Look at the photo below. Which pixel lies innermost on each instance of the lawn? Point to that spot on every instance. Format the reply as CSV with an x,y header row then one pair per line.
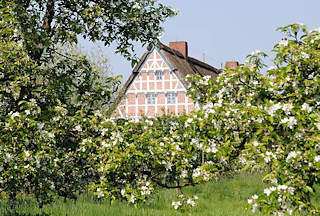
x,y
225,197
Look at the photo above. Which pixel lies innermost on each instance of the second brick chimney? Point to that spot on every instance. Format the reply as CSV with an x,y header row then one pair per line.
x,y
232,64
180,46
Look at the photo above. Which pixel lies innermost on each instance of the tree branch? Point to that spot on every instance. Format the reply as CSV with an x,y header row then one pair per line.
x,y
48,18
174,186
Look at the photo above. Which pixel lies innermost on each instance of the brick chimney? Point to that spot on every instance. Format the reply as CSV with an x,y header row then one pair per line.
x,y
232,64
180,46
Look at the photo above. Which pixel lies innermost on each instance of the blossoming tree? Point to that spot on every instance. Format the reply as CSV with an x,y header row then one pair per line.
x,y
46,96
269,120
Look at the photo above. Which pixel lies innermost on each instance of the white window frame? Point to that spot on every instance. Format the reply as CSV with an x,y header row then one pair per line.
x,y
171,98
159,74
151,98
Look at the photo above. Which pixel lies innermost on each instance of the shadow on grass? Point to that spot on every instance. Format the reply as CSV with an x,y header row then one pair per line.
x,y
14,213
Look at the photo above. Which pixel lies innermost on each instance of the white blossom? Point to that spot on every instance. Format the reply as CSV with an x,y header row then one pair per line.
x,y
16,114
269,190
317,158
176,205
9,157
254,207
123,191
191,202
306,107
100,193
51,135
136,6
283,43
78,128
271,110
287,108
282,187
132,199
189,120
105,144
256,53
291,121
255,143
292,154
27,154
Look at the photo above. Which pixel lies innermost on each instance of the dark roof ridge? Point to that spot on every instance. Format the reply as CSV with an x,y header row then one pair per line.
x,y
137,67
203,64
192,59
172,51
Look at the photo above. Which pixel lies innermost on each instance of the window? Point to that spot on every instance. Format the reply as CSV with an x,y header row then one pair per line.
x,y
151,98
159,75
171,98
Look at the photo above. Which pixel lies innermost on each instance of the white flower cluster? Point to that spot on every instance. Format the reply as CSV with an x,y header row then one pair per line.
x,y
283,43
100,193
177,204
287,108
292,155
136,6
212,147
13,115
146,189
199,172
132,198
268,156
204,80
269,190
256,53
290,122
253,202
306,107
274,108
185,201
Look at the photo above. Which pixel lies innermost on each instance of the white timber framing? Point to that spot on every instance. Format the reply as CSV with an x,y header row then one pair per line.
x,y
151,65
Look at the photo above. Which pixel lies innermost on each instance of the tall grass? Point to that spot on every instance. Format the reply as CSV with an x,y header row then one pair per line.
x,y
228,196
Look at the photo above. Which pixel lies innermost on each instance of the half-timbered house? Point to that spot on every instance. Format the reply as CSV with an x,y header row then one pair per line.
x,y
157,84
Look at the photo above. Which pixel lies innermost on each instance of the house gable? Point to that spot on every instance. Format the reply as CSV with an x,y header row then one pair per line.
x,y
157,84
154,89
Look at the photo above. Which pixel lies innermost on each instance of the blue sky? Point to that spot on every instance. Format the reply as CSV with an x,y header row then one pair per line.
x,y
227,29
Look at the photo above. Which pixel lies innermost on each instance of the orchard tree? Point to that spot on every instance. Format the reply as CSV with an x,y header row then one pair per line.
x,y
269,121
47,96
43,24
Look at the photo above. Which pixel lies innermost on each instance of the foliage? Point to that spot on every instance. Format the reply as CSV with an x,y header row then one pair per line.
x,y
135,159
48,98
45,23
270,120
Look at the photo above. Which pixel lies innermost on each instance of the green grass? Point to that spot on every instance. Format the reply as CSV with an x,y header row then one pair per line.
x,y
225,197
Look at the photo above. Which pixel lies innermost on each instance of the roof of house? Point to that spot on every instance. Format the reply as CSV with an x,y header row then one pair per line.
x,y
180,64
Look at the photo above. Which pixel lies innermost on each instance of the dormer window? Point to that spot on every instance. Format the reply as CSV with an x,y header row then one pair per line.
x,y
159,75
